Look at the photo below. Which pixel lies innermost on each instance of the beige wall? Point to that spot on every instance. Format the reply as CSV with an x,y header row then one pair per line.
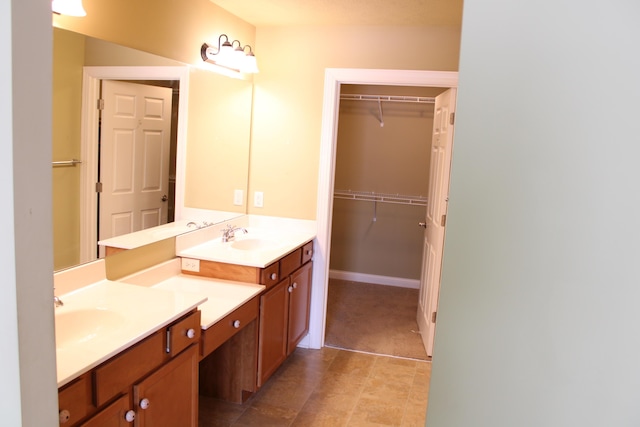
x,y
288,97
68,58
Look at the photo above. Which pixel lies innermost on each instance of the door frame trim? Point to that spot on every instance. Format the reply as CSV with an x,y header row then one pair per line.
x,y
334,78
91,78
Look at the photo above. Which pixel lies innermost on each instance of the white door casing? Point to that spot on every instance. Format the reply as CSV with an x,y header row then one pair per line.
x,y
334,77
134,157
438,196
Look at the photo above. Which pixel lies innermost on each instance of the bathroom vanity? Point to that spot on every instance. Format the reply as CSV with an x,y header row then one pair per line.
x,y
218,320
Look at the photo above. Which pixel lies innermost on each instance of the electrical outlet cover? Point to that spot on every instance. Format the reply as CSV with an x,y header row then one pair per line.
x,y
189,264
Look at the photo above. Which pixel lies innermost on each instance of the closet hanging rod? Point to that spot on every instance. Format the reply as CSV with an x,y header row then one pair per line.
x,y
371,196
389,98
71,162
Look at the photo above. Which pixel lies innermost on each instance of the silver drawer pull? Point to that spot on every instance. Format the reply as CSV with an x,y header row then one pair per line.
x,y
130,416
236,324
274,276
191,333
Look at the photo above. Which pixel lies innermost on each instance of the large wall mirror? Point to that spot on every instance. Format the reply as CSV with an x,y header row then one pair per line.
x,y
208,160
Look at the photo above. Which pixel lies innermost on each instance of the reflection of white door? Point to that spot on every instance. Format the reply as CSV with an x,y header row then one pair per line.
x,y
134,157
441,146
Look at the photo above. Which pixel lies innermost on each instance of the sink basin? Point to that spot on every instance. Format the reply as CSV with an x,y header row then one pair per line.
x,y
83,325
254,244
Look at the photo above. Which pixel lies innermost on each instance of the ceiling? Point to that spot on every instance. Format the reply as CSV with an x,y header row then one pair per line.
x,y
345,12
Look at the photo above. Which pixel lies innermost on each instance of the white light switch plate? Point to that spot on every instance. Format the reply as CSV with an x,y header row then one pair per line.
x,y
237,197
189,264
258,199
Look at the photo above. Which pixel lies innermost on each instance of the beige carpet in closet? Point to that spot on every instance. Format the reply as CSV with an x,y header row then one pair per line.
x,y
373,318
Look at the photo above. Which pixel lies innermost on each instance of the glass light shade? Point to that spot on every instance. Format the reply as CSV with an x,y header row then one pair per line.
x,y
68,7
225,55
250,64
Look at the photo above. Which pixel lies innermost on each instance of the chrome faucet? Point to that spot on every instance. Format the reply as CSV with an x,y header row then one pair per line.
x,y
57,302
230,232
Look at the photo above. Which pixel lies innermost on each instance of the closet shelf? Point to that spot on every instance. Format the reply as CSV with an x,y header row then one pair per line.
x,y
388,98
370,196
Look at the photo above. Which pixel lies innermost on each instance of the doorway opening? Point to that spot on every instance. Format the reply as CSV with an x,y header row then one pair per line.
x,y
381,187
334,79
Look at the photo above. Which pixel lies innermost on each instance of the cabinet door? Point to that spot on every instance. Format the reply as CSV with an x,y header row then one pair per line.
x,y
169,396
272,345
299,305
113,415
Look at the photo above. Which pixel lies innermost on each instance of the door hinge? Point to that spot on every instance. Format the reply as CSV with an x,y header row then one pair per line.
x,y
98,187
433,316
100,105
452,118
443,220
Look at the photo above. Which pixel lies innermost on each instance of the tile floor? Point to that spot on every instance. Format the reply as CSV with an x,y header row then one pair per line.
x,y
331,387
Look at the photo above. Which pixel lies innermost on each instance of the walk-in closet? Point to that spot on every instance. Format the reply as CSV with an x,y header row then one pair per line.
x,y
381,183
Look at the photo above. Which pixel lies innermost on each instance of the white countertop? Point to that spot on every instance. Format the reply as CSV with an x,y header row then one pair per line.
x,y
100,320
149,235
275,237
224,296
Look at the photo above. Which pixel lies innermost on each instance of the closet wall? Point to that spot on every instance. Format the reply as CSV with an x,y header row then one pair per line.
x,y
381,238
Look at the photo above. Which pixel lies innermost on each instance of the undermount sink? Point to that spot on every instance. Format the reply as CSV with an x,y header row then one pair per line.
x,y
83,325
254,244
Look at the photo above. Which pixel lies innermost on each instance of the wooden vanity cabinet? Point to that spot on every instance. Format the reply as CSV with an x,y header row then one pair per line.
x,y
228,355
284,304
161,370
284,320
169,396
299,306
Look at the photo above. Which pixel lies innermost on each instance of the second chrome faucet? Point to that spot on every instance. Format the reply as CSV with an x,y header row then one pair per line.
x,y
230,232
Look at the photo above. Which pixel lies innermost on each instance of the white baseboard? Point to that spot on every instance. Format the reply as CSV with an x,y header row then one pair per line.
x,y
375,279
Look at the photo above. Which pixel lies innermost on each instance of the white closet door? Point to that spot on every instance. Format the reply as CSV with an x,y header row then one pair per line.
x,y
441,146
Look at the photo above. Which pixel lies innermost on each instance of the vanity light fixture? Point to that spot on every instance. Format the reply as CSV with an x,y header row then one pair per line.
x,y
231,55
68,7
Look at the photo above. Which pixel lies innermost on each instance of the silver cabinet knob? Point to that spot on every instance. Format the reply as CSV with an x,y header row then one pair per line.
x,y
65,415
295,285
130,416
274,276
191,333
290,289
236,324
144,403
422,224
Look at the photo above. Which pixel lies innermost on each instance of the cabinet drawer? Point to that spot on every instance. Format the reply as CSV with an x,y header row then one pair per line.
x,y
184,333
307,252
123,370
289,263
74,401
113,415
270,275
224,329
